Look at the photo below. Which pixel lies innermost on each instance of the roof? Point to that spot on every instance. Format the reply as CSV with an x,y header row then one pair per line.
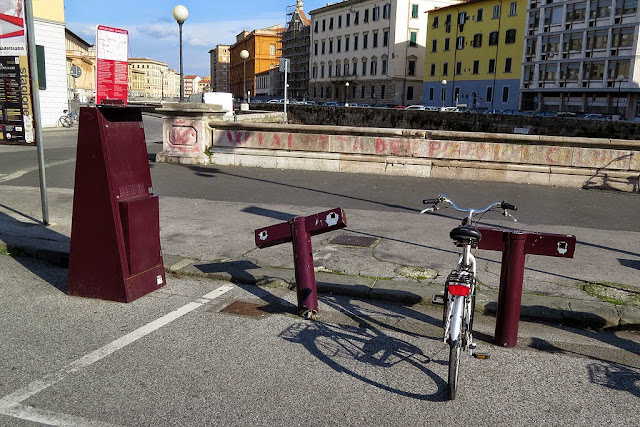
x,y
80,39
190,76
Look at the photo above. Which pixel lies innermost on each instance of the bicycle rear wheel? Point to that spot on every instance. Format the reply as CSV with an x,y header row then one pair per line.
x,y
64,122
454,367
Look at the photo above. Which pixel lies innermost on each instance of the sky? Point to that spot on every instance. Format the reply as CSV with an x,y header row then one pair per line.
x,y
153,32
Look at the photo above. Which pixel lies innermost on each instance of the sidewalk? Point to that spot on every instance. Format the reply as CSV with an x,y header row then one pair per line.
x,y
407,261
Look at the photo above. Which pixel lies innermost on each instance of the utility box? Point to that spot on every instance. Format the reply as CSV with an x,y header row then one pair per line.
x,y
115,233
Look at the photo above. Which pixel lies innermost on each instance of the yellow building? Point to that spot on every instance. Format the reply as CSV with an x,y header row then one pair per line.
x,y
474,54
81,55
157,77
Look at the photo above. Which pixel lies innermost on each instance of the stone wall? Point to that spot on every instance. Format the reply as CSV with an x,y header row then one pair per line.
x,y
435,120
534,159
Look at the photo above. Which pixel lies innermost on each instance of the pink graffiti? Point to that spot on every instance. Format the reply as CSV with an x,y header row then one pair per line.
x,y
238,137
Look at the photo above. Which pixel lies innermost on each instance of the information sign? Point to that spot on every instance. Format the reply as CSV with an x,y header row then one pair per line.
x,y
112,54
12,35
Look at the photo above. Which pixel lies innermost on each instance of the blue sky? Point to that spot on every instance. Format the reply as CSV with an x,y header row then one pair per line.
x,y
154,33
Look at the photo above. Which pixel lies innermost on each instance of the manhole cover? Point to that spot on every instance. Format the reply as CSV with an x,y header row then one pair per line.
x,y
244,309
351,240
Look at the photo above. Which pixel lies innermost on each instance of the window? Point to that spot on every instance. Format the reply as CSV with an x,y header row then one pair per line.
x,y
366,15
444,94
376,13
330,69
382,91
571,70
412,67
489,95
513,9
386,11
435,22
355,42
572,42
322,92
338,67
413,39
619,68
510,36
348,19
324,25
456,95
597,39
493,38
410,93
505,94
548,72
365,40
446,44
356,18
339,21
322,71
600,8
315,71
331,23
430,94
374,67
346,68
346,43
496,11
553,15
272,50
445,69
414,11
339,45
364,66
622,37
626,7
323,45
593,70
362,93
355,68
477,40
434,45
375,39
492,66
476,66
460,43
507,65
433,69
479,15
458,68
385,38
315,49
315,27
576,12
330,45
384,66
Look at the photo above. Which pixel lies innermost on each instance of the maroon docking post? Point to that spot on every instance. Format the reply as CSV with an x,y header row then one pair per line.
x,y
515,245
299,231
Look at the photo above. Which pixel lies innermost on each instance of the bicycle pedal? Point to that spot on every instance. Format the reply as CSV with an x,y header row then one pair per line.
x,y
481,355
472,345
437,299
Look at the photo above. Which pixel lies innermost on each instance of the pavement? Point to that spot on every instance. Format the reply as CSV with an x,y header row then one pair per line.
x,y
407,258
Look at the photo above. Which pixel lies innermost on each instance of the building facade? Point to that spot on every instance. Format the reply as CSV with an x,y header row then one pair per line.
x,y
264,47
582,56
295,47
191,82
474,54
80,54
157,77
376,47
204,85
220,78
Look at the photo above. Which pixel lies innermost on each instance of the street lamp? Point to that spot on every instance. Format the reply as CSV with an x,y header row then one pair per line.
x,y
244,54
346,93
619,79
164,74
444,84
180,14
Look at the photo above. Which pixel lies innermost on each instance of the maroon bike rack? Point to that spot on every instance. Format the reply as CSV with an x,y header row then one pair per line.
x,y
299,231
515,245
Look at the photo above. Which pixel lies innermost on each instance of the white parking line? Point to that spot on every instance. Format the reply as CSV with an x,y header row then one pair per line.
x,y
18,174
11,404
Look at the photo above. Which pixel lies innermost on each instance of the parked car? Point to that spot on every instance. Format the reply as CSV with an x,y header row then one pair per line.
x,y
416,107
493,112
429,108
384,106
450,109
527,113
510,112
545,114
400,107
565,114
331,104
474,110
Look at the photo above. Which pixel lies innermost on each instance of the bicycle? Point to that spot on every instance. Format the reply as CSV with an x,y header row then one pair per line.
x,y
460,286
68,118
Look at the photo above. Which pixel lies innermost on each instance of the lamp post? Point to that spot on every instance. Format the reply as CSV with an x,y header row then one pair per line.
x,y
164,74
444,84
619,80
180,14
346,93
244,54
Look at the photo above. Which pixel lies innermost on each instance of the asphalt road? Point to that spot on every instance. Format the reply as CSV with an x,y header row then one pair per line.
x,y
537,205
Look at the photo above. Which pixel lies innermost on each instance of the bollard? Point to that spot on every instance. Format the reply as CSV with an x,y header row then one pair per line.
x,y
303,265
510,294
515,245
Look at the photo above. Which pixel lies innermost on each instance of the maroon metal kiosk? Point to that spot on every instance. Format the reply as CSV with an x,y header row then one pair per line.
x,y
299,231
515,245
115,234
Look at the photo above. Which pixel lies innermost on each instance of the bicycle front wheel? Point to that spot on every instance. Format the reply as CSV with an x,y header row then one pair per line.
x,y
64,122
454,367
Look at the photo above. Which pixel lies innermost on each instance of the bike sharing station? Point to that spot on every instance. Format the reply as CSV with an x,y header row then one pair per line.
x,y
115,249
298,231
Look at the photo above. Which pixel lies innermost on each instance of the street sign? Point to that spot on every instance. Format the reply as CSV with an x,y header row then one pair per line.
x,y
75,71
284,65
112,68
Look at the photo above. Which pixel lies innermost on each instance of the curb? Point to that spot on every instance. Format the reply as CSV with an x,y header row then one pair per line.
x,y
595,315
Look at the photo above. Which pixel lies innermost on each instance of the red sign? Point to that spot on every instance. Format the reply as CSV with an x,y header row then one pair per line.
x,y
112,54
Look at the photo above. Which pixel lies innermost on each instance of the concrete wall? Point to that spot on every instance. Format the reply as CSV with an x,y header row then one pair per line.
x,y
570,162
387,117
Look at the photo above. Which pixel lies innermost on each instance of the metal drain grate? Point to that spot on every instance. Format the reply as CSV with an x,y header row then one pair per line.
x,y
351,240
244,309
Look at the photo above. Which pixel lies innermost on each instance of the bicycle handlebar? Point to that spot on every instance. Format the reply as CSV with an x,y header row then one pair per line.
x,y
442,198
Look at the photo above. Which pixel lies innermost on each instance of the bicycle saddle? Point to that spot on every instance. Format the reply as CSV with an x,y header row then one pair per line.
x,y
465,233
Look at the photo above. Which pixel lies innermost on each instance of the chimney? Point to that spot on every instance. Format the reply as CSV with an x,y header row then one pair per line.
x,y
299,4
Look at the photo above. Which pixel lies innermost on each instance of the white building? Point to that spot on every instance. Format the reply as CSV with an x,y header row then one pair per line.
x,y
369,51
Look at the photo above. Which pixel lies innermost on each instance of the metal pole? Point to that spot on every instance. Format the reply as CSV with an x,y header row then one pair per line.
x,y
35,98
303,265
286,70
181,74
510,294
244,81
